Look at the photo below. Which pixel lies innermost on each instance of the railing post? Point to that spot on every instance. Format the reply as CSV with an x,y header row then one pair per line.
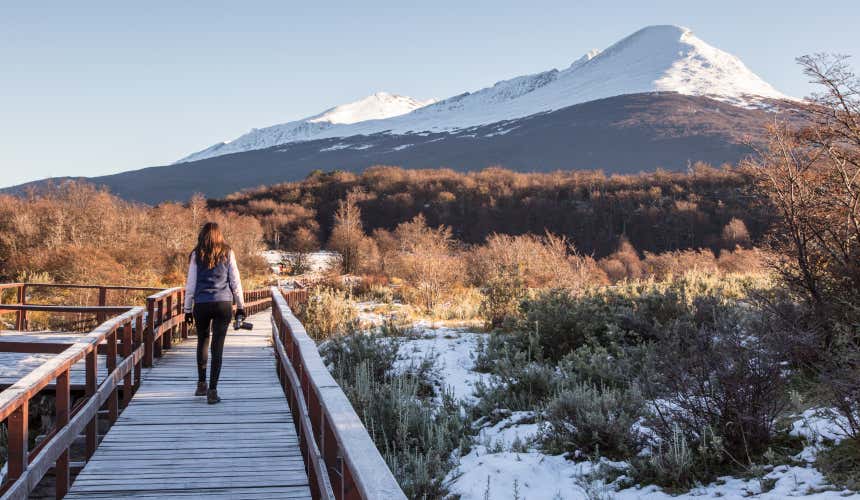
x,y
21,320
168,337
126,353
113,399
101,316
183,329
18,447
62,404
165,335
149,333
138,340
90,391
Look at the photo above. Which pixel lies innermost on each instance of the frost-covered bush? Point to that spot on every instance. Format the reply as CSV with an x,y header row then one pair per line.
x,y
722,369
677,465
589,419
520,381
418,431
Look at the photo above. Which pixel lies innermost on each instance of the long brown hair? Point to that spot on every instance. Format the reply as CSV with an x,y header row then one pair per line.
x,y
211,247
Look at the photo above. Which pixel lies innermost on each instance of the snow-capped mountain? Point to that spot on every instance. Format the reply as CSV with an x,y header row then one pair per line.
x,y
654,59
378,106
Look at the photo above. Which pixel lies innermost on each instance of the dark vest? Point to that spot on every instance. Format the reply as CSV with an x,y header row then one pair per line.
x,y
213,284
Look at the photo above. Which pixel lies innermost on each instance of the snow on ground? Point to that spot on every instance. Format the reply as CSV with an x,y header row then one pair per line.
x,y
317,262
505,463
454,352
506,457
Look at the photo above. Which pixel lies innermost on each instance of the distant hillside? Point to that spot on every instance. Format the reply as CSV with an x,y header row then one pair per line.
x,y
623,134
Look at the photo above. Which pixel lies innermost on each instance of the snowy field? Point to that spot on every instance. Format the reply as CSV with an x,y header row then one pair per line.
x,y
505,464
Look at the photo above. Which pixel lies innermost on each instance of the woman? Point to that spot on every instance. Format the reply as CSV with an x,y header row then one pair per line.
x,y
213,285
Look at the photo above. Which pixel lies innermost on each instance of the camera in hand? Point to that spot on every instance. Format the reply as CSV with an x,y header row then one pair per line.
x,y
240,323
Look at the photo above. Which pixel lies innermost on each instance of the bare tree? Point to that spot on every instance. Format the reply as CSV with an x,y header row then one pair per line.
x,y
811,176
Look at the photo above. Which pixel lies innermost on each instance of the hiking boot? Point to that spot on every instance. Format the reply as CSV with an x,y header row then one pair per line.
x,y
201,389
212,397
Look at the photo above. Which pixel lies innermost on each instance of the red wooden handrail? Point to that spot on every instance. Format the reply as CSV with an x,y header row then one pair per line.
x,y
338,452
135,337
26,468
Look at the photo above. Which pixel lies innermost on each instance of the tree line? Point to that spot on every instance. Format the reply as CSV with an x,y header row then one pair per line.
x,y
655,212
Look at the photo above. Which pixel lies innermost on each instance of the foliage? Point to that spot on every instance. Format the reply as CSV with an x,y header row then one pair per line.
x,y
677,465
659,211
501,297
329,312
75,232
588,418
841,464
348,238
417,431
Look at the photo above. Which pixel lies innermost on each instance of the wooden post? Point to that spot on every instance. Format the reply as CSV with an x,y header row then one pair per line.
x,y
138,340
18,447
167,337
149,333
126,352
63,407
21,322
159,322
113,399
90,391
101,316
184,328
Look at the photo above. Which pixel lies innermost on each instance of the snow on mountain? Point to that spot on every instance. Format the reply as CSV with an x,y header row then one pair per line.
x,y
378,106
654,59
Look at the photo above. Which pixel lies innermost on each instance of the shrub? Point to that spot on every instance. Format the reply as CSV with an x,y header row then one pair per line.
x,y
461,303
418,432
841,464
520,382
328,312
677,465
502,296
720,369
594,419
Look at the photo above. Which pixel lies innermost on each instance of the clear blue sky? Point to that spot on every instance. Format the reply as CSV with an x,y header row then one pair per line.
x,y
96,87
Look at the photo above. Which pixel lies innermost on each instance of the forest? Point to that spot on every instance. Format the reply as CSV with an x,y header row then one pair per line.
x,y
655,212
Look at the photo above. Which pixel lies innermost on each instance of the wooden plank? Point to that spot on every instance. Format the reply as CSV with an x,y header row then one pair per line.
x,y
167,443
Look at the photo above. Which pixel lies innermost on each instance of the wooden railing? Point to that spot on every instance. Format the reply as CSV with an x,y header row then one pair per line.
x,y
22,289
341,459
130,342
118,338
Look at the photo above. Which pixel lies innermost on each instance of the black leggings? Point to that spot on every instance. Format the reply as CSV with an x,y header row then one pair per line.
x,y
215,316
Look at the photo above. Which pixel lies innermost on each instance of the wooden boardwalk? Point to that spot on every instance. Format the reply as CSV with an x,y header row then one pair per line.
x,y
170,444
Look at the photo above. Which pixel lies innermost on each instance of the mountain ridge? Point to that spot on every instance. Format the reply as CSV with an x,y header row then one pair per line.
x,y
661,58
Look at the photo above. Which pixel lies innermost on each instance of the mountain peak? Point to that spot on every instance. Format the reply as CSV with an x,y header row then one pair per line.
x,y
660,58
377,106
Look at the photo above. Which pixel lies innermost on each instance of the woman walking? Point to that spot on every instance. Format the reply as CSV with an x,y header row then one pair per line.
x,y
213,285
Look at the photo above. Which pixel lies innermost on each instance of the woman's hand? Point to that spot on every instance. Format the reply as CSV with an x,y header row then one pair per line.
x,y
240,313
189,319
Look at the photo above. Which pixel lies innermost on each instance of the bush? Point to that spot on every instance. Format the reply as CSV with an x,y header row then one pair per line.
x,y
594,419
841,464
418,432
520,382
720,369
502,296
676,465
328,312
